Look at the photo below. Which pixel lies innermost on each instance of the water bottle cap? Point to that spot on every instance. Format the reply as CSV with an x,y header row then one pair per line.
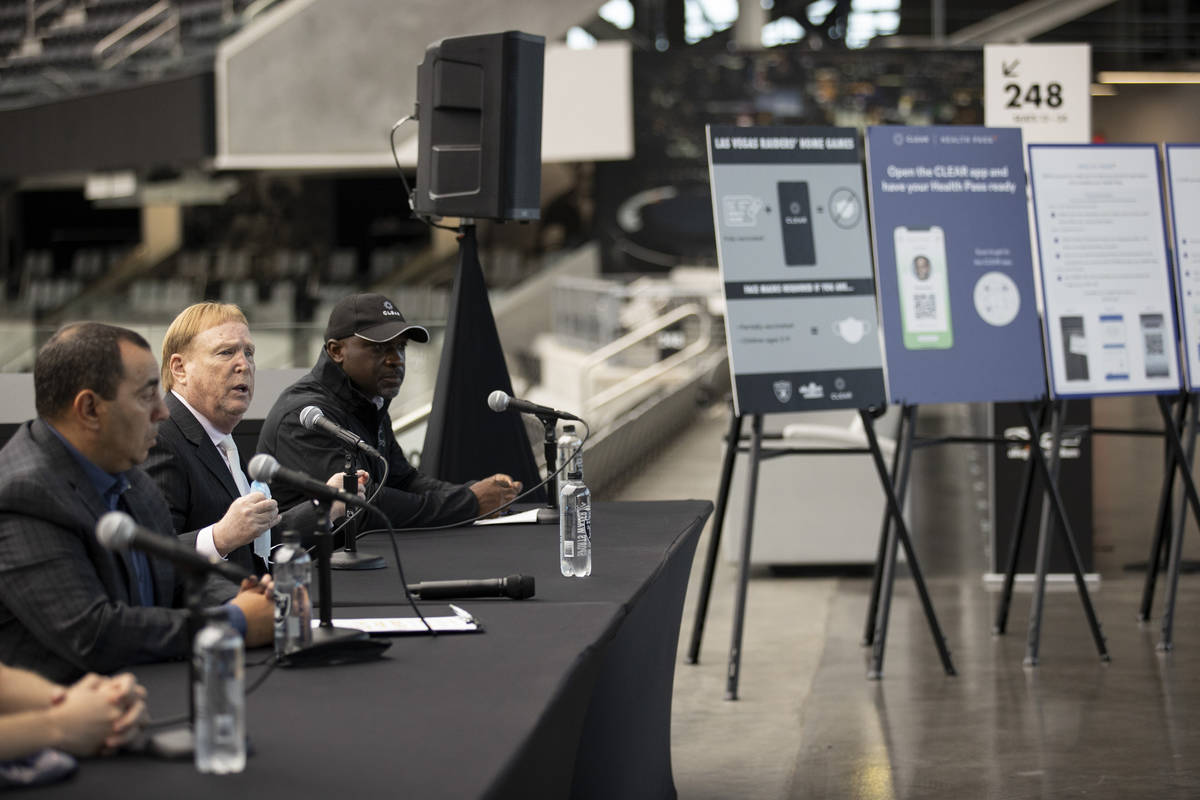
x,y
574,475
291,536
568,428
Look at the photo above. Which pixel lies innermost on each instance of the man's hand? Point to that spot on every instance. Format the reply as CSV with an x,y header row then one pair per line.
x,y
257,601
85,717
338,509
246,518
129,696
495,491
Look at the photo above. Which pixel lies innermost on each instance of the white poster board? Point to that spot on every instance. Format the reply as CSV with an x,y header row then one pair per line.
x,y
1183,183
1109,308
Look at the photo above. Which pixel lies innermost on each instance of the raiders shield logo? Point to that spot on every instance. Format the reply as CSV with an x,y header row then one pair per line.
x,y
783,390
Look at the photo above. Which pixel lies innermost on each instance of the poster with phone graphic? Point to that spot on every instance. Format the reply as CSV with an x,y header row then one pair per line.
x,y
954,265
1102,242
1183,184
791,224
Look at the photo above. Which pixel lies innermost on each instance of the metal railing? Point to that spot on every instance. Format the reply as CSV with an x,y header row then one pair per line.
x,y
630,386
34,12
168,25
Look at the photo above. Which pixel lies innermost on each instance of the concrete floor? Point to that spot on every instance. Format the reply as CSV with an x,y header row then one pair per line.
x,y
809,724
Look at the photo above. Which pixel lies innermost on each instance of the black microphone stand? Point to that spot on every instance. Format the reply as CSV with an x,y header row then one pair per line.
x,y
550,443
331,645
349,557
179,741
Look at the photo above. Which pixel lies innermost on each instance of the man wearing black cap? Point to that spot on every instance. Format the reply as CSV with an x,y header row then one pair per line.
x,y
357,374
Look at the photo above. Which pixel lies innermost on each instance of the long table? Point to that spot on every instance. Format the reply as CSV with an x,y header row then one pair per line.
x,y
567,694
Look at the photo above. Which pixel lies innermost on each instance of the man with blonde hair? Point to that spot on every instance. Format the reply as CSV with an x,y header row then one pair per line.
x,y
208,375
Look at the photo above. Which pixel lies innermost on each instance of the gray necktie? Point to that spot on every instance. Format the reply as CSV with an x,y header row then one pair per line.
x,y
262,545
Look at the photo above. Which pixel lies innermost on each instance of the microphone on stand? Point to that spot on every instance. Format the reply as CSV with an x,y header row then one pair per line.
x,y
268,470
500,400
116,530
516,587
313,418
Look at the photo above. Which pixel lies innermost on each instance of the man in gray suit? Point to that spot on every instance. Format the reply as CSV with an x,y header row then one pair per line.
x,y
67,605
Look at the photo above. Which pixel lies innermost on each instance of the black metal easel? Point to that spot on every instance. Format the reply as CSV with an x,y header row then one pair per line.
x,y
1054,518
1163,532
894,513
1182,463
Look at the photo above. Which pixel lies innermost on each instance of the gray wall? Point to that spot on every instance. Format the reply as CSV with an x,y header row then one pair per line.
x,y
1149,113
329,77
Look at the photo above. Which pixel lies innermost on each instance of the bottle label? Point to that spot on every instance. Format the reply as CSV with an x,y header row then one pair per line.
x,y
583,530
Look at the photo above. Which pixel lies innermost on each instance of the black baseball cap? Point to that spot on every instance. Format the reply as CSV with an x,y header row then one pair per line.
x,y
372,317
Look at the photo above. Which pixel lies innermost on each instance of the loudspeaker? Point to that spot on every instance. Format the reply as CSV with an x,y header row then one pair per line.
x,y
479,105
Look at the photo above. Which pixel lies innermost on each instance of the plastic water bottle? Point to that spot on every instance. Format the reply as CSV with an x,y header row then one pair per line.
x,y
220,697
293,603
570,456
575,527
259,486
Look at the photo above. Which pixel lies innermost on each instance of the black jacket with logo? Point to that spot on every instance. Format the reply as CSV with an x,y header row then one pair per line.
x,y
410,499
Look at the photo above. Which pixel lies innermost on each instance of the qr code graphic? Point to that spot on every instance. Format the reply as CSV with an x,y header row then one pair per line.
x,y
1154,345
925,306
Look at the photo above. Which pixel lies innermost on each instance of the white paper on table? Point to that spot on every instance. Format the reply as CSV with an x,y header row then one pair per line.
x,y
523,517
399,625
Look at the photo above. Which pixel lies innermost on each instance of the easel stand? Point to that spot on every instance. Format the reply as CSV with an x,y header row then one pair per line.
x,y
1182,463
756,455
1162,531
1054,518
895,532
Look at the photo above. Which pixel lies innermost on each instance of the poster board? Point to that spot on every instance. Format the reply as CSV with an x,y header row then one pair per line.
x,y
954,264
1102,242
1183,185
791,226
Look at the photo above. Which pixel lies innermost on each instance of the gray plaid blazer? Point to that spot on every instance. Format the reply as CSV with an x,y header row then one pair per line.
x,y
65,600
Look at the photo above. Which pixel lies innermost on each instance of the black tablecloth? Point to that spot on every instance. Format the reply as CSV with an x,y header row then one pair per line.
x,y
565,694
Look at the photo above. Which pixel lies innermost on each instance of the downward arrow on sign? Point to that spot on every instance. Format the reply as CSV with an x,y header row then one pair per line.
x,y
1010,70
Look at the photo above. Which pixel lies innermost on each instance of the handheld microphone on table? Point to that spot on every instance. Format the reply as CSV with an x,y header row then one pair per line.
x,y
313,419
266,469
116,530
516,587
500,400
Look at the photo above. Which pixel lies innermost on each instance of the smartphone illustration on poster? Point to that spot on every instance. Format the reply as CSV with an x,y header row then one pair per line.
x,y
924,288
1075,348
1155,346
795,215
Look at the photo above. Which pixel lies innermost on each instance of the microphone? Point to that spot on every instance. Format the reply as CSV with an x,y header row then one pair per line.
x,y
501,401
116,530
266,469
517,587
313,418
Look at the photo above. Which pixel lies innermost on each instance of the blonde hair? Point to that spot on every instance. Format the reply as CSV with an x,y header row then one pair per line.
x,y
191,322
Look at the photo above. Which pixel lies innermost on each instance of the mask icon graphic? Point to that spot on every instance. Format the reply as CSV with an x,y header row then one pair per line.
x,y
851,329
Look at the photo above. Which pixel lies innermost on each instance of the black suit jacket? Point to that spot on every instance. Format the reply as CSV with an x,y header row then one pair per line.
x,y
64,600
192,475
